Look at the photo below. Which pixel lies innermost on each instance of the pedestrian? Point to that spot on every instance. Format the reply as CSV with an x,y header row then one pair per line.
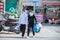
x,y
23,20
31,18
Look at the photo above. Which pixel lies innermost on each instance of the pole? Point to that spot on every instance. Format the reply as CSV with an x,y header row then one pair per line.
x,y
19,6
34,8
4,6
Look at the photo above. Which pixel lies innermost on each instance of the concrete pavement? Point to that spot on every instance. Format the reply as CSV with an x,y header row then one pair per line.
x,y
46,33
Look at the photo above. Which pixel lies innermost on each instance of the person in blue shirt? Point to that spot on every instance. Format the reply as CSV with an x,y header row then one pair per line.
x,y
23,21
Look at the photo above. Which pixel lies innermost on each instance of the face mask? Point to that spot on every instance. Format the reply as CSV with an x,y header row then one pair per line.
x,y
31,14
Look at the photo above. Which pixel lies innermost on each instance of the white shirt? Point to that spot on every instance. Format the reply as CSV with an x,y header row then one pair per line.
x,y
23,18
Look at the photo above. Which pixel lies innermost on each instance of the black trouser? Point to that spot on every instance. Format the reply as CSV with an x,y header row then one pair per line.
x,y
22,29
29,29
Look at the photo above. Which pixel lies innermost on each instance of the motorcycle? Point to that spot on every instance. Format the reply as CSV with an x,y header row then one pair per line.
x,y
9,25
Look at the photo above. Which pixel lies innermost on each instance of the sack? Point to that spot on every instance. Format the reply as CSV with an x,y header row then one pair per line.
x,y
17,27
37,27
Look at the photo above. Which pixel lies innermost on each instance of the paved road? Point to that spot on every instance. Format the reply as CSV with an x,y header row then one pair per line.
x,y
48,32
41,38
55,27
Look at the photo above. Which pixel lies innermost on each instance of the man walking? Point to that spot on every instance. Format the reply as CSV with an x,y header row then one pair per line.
x,y
23,22
31,18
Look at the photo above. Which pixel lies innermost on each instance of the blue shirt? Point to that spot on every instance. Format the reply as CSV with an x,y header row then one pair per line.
x,y
23,18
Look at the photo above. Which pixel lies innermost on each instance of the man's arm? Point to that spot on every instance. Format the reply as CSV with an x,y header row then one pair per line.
x,y
35,19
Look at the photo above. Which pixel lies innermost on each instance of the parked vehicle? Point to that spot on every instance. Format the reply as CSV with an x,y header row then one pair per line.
x,y
8,25
54,21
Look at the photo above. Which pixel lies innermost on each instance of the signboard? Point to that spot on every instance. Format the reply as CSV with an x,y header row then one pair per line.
x,y
9,4
39,17
34,0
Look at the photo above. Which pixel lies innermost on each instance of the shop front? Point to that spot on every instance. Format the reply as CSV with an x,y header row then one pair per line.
x,y
52,11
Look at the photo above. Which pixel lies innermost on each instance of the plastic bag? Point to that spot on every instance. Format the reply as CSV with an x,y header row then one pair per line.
x,y
37,27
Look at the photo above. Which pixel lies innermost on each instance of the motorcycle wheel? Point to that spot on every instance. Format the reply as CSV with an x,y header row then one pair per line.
x,y
17,31
1,28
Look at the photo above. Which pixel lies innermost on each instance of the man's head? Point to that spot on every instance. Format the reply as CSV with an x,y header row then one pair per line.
x,y
31,10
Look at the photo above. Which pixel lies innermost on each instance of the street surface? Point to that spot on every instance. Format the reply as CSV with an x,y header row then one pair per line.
x,y
48,32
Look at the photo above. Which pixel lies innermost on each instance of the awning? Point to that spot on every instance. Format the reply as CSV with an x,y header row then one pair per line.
x,y
51,2
28,3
